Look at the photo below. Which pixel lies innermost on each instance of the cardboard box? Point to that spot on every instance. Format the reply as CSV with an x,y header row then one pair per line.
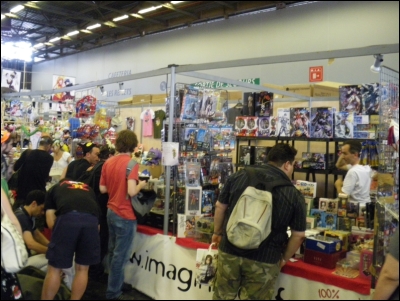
x,y
158,99
327,89
311,222
323,244
137,99
322,259
155,170
125,102
365,263
233,95
304,89
342,235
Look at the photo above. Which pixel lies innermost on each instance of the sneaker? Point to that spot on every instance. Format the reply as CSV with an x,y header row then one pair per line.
x,y
126,287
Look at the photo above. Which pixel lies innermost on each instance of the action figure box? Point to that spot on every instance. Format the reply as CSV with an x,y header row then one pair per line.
x,y
246,155
264,103
344,127
342,235
322,259
299,122
260,155
323,244
311,222
190,105
252,126
263,126
322,124
283,123
204,229
307,188
298,164
248,103
241,126
329,220
323,204
332,206
353,209
350,99
345,223
186,225
319,215
207,202
309,204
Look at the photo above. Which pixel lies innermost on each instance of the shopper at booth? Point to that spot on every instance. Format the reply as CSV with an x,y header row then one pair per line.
x,y
73,216
61,157
357,181
387,287
78,167
255,272
34,173
120,216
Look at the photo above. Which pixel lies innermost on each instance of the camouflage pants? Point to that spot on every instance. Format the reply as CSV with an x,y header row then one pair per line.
x,y
249,279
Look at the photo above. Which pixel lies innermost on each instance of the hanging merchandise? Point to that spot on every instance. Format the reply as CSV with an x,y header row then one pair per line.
x,y
147,116
86,106
130,124
159,117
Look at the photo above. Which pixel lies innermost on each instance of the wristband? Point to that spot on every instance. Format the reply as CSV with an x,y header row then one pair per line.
x,y
217,234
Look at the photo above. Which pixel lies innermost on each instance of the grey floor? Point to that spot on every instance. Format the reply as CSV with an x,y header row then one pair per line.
x,y
96,290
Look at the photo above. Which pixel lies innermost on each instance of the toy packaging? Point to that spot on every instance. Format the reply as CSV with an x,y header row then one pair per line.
x,y
207,202
370,98
323,244
193,173
248,103
193,200
263,126
241,125
299,122
252,126
264,103
344,126
245,155
307,188
350,99
186,225
190,103
322,124
260,155
283,125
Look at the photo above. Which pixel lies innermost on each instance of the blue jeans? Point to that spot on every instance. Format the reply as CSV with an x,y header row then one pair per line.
x,y
121,233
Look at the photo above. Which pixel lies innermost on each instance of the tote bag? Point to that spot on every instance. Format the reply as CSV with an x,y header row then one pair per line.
x,y
206,266
13,251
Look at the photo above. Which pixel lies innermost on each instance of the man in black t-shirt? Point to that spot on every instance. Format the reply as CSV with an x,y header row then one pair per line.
x,y
34,173
77,168
73,215
255,271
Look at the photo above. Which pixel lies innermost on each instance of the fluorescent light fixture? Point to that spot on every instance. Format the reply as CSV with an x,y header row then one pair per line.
x,y
54,40
103,92
176,2
73,33
146,10
2,16
376,67
17,8
86,31
120,18
39,45
121,88
137,16
93,26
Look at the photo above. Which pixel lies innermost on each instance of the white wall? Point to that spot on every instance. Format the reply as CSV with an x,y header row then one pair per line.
x,y
321,26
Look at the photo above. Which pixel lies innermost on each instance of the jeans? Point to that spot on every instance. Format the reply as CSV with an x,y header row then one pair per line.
x,y
121,234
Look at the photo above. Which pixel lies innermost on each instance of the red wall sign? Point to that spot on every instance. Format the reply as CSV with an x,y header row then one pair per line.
x,y
316,74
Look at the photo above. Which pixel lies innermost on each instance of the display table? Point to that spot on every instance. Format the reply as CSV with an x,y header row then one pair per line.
x,y
162,267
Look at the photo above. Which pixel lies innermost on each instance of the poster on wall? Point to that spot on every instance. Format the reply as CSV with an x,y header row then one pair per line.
x,y
59,82
11,79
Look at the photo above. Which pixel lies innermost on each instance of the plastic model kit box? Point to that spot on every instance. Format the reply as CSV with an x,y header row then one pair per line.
x,y
323,244
322,124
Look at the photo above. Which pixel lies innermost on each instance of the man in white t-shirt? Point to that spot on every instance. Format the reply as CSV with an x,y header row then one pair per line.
x,y
357,181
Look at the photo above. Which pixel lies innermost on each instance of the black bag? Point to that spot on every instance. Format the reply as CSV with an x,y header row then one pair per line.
x,y
13,181
143,201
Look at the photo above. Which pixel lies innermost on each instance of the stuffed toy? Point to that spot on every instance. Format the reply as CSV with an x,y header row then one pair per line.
x,y
153,157
138,151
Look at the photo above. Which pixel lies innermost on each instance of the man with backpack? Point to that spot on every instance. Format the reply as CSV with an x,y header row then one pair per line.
x,y
246,271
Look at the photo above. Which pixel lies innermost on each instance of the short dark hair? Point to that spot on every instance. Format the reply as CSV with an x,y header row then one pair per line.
x,y
105,152
354,146
281,153
45,141
126,141
35,195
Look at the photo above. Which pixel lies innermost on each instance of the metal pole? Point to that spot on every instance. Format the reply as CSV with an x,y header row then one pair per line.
x,y
170,139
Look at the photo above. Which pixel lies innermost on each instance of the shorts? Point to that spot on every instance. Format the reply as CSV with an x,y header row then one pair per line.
x,y
244,278
74,233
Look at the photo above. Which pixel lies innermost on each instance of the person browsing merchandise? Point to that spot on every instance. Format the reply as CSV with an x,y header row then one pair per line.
x,y
357,181
254,273
120,216
77,168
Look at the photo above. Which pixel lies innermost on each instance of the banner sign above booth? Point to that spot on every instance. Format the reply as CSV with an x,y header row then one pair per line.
x,y
220,85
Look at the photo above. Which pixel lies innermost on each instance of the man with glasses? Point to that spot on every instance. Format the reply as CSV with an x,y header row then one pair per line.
x,y
77,168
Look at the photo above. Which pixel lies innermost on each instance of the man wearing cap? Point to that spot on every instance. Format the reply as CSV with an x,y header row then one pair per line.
x,y
34,173
77,168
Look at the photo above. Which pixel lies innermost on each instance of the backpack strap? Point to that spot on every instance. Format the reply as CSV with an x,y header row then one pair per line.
x,y
130,166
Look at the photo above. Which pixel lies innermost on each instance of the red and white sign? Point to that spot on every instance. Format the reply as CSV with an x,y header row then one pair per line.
x,y
316,74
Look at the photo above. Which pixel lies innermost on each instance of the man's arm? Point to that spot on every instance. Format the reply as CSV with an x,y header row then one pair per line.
x,y
340,164
219,217
40,238
133,188
339,185
50,218
32,244
388,279
103,188
294,243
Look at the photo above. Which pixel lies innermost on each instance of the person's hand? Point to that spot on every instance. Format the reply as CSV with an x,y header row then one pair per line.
x,y
282,263
339,182
142,184
216,239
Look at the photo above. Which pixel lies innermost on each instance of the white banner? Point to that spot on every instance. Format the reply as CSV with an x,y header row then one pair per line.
x,y
164,270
